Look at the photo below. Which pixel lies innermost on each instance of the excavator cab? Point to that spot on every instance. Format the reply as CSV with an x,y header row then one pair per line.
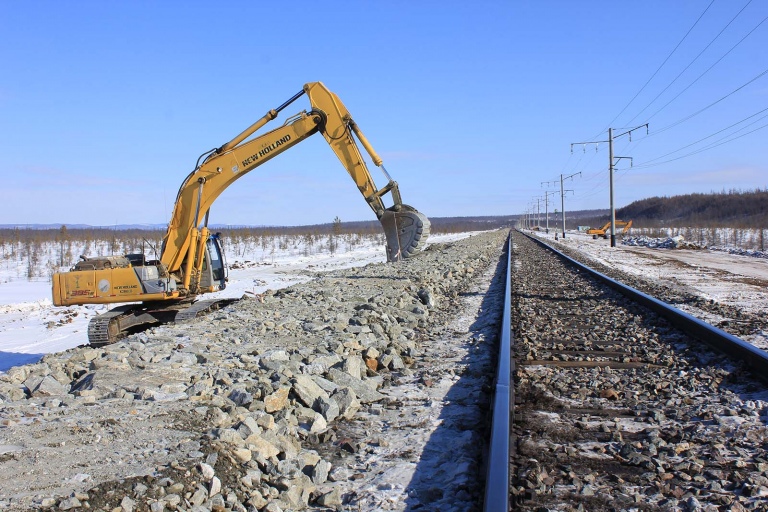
x,y
214,272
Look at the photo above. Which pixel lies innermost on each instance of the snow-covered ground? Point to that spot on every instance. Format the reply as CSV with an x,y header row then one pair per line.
x,y
30,326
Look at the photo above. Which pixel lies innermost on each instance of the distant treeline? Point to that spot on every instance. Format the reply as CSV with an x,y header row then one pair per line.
x,y
726,209
39,252
119,241
439,225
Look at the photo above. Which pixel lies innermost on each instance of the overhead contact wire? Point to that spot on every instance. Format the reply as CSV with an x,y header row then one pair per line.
x,y
707,148
644,164
656,132
691,63
708,69
659,68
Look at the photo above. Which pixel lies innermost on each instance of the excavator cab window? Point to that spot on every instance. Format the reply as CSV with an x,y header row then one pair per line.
x,y
216,260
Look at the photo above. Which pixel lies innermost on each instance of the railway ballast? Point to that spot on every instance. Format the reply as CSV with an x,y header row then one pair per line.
x,y
618,410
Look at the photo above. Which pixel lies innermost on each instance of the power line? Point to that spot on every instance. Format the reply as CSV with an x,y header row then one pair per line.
x,y
691,63
728,138
714,145
647,162
656,132
589,176
707,148
655,72
591,192
659,68
708,69
612,159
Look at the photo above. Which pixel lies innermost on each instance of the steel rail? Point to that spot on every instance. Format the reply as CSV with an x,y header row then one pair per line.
x,y
497,472
754,357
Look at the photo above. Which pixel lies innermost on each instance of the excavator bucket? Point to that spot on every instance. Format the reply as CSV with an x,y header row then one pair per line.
x,y
406,230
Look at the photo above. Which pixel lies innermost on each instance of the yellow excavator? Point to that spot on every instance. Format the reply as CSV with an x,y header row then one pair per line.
x,y
604,231
192,262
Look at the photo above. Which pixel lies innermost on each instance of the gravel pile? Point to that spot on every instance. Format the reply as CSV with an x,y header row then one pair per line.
x,y
740,252
674,242
678,242
362,388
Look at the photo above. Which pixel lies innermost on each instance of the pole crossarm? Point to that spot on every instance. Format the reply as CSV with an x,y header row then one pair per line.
x,y
611,161
570,175
629,132
595,142
610,138
562,196
546,207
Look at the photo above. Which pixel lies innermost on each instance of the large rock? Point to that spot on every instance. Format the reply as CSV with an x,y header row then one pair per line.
x,y
277,400
354,366
328,407
347,401
307,390
364,391
48,386
265,448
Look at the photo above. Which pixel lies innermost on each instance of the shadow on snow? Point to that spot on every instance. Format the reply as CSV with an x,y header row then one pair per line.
x,y
450,474
11,359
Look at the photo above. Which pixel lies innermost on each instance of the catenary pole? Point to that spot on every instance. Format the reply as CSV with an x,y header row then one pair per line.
x,y
538,214
562,195
610,181
611,160
562,203
546,208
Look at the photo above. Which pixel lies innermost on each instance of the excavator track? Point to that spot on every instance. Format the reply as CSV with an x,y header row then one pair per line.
x,y
116,323
105,328
201,307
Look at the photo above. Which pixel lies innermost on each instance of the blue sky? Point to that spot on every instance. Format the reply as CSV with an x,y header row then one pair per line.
x,y
105,106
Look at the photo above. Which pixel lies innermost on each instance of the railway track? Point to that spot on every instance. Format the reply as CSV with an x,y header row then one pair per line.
x,y
620,408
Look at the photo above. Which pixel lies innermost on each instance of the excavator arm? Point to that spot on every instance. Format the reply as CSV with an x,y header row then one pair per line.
x,y
405,228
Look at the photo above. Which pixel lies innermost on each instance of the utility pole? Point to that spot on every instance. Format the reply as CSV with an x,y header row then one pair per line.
x,y
562,196
533,215
610,181
538,214
546,207
611,160
546,201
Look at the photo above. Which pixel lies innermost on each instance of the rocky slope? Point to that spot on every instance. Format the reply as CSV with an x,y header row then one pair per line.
x,y
363,388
